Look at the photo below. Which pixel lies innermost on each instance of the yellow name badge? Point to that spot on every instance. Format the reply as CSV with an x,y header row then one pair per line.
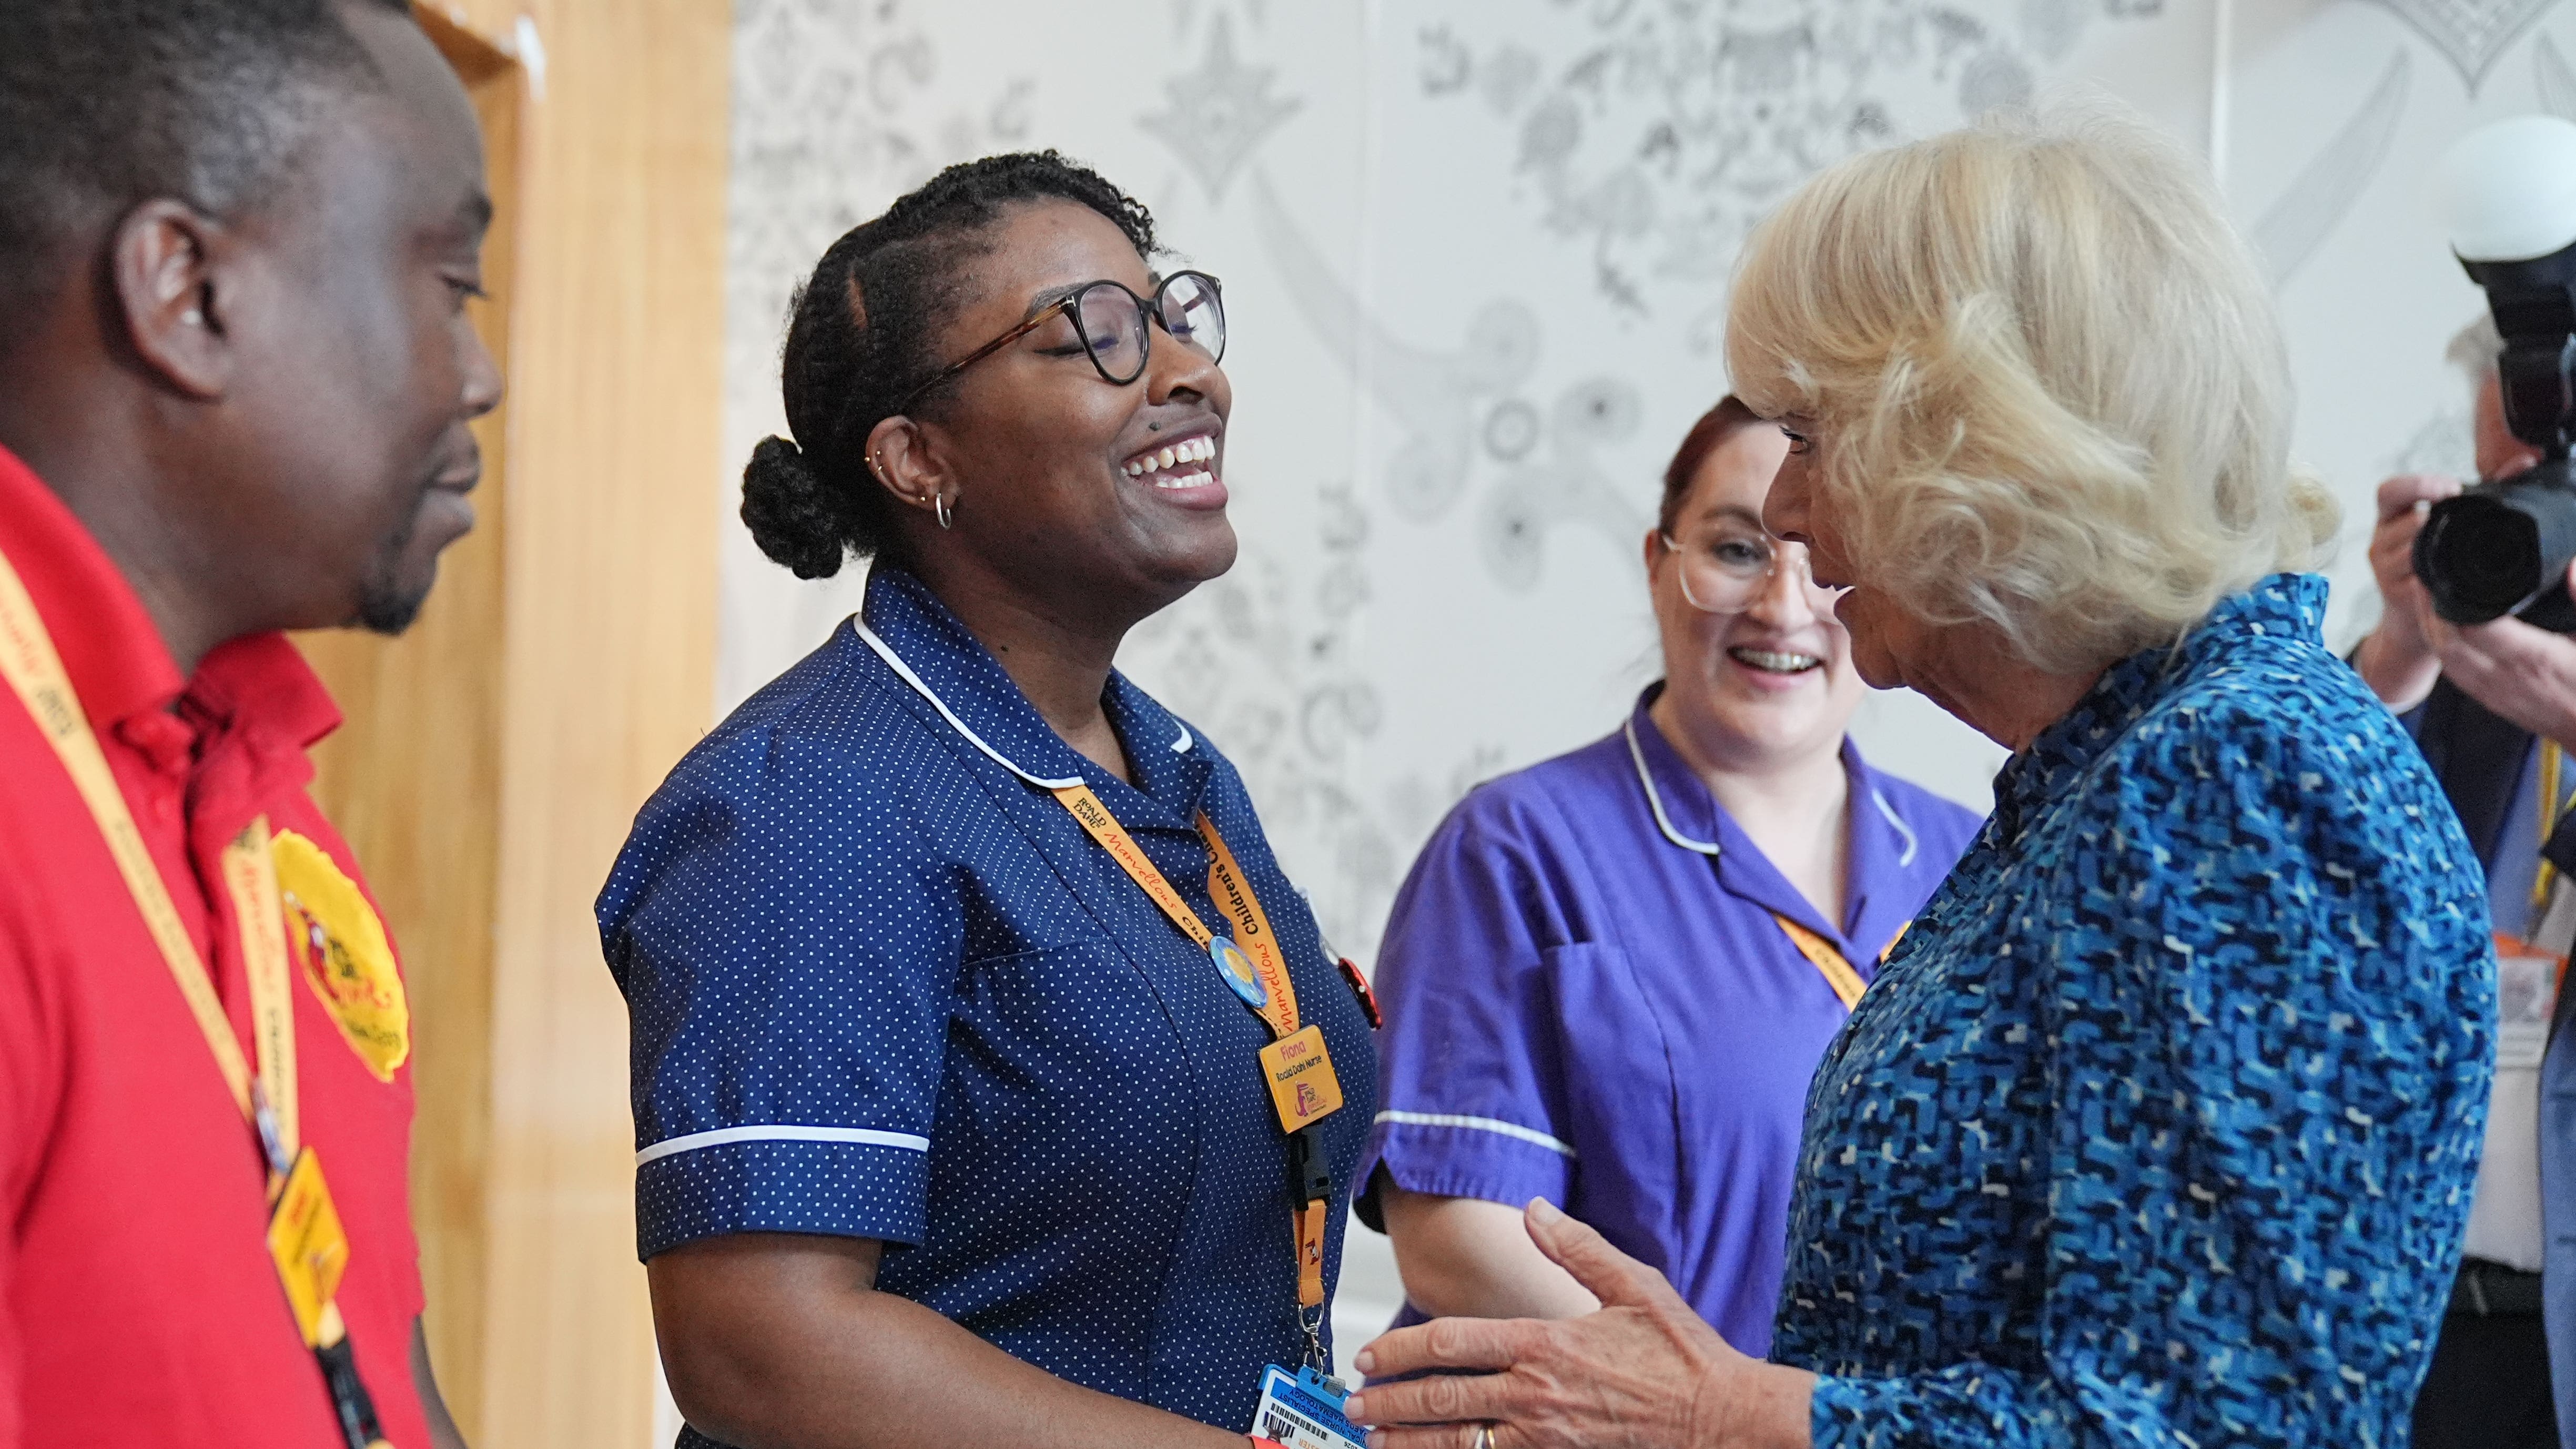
x,y
309,1245
1303,1085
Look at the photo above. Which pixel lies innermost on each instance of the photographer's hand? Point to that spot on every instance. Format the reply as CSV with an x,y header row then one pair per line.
x,y
2526,674
2400,660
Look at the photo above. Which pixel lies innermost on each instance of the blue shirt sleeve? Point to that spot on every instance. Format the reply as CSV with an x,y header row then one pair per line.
x,y
787,940
2260,1016
1471,1089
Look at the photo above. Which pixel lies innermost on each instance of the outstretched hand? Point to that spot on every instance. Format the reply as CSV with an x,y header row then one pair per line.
x,y
1645,1372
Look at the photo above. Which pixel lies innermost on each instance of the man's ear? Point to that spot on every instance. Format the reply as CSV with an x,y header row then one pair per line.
x,y
163,263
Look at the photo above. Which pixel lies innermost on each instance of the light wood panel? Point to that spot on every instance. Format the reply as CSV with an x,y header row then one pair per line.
x,y
609,666
494,757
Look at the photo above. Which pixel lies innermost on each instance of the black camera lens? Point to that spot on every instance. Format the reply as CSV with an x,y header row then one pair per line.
x,y
2479,555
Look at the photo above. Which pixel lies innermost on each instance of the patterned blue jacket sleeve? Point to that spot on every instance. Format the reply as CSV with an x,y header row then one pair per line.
x,y
2261,1004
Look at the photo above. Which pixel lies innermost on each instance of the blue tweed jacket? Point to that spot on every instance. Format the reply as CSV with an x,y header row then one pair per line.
x,y
2160,1126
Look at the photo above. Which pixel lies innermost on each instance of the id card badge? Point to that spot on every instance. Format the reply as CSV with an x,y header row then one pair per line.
x,y
308,1245
1304,1411
1303,1087
2526,998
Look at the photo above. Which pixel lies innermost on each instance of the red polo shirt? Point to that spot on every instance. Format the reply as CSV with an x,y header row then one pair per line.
x,y
138,1305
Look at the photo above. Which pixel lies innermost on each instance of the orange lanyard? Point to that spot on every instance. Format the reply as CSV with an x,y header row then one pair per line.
x,y
1277,995
1838,973
1303,1087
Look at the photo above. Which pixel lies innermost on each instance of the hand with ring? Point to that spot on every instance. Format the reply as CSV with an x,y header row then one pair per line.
x,y
1645,1372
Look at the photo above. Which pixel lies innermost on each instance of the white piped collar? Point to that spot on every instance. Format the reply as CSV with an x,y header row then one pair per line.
x,y
895,662
1655,797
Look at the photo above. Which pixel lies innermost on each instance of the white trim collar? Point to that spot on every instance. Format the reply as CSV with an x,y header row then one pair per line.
x,y
1912,845
895,662
1655,797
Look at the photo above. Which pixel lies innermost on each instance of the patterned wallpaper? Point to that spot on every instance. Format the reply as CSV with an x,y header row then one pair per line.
x,y
1476,255
1476,252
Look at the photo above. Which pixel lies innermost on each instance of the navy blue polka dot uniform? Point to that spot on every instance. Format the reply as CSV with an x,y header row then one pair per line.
x,y
883,985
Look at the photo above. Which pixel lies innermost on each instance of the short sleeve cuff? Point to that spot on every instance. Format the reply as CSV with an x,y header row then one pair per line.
x,y
1446,1155
843,1189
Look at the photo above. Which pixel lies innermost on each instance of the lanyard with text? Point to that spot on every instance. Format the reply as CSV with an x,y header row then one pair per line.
x,y
1299,1071
1829,963
305,1237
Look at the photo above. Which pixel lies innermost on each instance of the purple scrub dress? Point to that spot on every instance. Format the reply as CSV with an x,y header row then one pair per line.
x,y
1588,999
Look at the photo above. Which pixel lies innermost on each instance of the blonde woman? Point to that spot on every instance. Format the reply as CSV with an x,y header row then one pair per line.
x,y
2158,1128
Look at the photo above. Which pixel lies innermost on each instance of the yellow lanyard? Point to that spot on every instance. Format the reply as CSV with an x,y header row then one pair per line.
x,y
2551,803
1303,1087
305,1238
268,1103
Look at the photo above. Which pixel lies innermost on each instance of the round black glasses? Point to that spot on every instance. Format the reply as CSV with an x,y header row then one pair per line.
x,y
1116,327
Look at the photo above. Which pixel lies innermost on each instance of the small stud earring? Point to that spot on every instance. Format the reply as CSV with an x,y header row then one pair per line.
x,y
939,505
194,317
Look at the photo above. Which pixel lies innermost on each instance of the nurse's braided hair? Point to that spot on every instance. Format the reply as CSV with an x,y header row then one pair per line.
x,y
863,332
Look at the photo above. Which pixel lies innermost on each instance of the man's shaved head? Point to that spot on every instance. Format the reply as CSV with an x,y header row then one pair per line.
x,y
108,103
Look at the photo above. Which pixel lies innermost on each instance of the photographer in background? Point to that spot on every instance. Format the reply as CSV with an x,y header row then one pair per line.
x,y
2493,707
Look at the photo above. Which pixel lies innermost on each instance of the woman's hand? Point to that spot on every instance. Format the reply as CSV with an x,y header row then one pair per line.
x,y
1643,1373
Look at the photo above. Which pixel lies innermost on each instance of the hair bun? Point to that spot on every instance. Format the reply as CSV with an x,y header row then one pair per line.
x,y
791,511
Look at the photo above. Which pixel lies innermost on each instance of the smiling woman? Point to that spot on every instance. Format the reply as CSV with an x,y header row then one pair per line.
x,y
1610,975
992,1085
2159,1126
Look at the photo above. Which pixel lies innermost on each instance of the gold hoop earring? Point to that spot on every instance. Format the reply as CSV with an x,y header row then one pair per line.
x,y
939,505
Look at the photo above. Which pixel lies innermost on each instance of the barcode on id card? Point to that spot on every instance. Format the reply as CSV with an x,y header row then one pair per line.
x,y
1295,1430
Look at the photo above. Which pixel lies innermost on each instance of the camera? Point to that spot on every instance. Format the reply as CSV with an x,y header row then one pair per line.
x,y
2503,546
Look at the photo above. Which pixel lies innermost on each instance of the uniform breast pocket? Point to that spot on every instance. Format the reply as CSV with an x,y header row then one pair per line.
x,y
1061,1053
1616,1067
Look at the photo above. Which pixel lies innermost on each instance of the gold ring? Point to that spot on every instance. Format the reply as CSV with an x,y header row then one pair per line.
x,y
1484,1436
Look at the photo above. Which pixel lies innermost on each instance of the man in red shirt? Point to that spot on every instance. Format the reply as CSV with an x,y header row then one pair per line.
x,y
235,383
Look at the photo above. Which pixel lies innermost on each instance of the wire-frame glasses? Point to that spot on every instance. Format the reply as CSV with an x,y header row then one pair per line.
x,y
1724,572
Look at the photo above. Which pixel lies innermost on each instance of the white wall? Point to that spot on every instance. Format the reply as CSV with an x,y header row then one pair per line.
x,y
1475,255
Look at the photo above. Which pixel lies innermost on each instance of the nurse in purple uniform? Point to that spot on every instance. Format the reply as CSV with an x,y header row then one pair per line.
x,y
1610,975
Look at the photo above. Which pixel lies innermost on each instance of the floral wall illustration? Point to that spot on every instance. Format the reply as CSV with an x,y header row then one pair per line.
x,y
1476,256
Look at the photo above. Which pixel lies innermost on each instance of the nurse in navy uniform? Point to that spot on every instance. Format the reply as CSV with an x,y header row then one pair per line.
x,y
992,1084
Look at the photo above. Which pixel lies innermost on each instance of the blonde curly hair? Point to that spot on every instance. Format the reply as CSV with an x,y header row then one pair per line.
x,y
2047,378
